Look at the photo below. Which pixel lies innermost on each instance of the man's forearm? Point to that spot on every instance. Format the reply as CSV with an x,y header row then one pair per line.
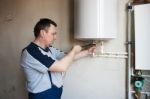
x,y
81,54
63,64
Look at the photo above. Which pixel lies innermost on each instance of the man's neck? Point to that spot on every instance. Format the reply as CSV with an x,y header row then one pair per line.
x,y
39,43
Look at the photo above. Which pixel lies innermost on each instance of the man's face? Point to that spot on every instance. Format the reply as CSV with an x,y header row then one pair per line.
x,y
50,35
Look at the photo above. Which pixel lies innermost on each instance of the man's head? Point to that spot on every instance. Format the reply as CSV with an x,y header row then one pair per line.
x,y
45,30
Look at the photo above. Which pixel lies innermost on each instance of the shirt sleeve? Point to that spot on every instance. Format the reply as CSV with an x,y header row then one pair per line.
x,y
58,53
29,63
37,54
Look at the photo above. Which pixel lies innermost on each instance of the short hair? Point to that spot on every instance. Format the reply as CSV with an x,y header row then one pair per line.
x,y
43,24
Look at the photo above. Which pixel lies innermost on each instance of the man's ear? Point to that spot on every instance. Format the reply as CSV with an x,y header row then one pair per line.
x,y
42,33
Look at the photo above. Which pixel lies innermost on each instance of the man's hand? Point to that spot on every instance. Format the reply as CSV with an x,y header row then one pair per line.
x,y
86,52
92,49
77,48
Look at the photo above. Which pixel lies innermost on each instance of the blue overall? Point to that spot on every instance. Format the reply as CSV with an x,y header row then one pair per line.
x,y
53,93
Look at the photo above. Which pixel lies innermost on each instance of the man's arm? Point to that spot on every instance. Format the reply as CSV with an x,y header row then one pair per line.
x,y
63,64
86,52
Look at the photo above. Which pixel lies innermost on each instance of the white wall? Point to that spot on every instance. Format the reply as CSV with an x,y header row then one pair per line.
x,y
100,78
89,78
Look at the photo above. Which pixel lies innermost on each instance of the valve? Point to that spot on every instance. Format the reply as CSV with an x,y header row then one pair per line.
x,y
138,82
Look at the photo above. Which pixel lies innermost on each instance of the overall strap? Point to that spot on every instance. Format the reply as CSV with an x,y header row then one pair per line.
x,y
50,78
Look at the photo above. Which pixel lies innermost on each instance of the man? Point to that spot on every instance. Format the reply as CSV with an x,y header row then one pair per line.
x,y
44,65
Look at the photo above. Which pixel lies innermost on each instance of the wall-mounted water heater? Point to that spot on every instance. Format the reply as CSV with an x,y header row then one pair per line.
x,y
95,19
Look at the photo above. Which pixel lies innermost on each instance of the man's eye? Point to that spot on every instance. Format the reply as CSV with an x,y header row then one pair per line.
x,y
54,34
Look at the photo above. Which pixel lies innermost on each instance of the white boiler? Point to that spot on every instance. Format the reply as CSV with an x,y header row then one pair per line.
x,y
95,19
142,36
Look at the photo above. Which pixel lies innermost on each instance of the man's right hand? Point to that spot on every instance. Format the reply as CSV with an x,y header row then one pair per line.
x,y
77,48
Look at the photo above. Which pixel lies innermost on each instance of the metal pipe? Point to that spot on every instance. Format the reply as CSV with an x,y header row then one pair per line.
x,y
129,63
109,56
146,93
148,76
115,53
102,53
145,76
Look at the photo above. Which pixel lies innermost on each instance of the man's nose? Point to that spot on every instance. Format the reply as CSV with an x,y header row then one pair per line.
x,y
55,37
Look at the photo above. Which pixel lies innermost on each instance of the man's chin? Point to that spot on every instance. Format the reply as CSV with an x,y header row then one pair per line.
x,y
50,44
